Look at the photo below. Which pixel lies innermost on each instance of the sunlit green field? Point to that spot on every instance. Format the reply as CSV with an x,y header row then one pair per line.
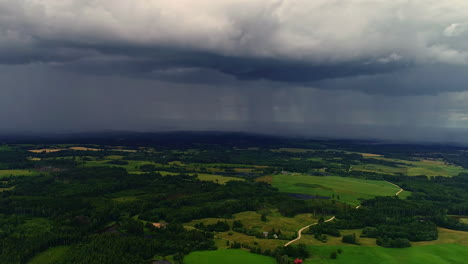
x,y
413,168
7,173
227,256
5,148
252,220
434,254
133,165
50,256
347,190
217,178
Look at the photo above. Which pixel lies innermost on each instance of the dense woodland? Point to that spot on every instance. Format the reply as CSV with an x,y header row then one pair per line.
x,y
68,203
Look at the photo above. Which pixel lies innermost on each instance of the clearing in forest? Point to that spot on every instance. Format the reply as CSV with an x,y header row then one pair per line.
x,y
227,256
434,254
8,173
428,167
51,255
343,189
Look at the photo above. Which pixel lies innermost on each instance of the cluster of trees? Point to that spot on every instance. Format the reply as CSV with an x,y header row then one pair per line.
x,y
321,229
220,226
350,239
390,218
80,202
441,195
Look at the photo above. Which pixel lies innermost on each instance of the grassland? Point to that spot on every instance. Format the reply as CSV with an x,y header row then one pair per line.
x,y
412,168
227,256
7,173
131,167
349,190
51,255
5,148
6,189
435,254
217,178
447,236
252,220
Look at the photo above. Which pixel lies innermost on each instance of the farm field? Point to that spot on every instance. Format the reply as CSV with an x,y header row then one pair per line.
x,y
7,173
349,190
227,256
217,178
434,254
426,167
252,220
131,167
50,256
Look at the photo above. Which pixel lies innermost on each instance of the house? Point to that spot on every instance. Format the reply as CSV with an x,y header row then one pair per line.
x,y
298,261
159,225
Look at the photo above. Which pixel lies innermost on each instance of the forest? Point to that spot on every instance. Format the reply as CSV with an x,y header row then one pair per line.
x,y
130,201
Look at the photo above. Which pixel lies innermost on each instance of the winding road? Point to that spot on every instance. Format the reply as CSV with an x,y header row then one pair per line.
x,y
302,229
401,189
331,219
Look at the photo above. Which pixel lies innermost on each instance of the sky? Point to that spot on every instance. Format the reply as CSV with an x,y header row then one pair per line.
x,y
380,69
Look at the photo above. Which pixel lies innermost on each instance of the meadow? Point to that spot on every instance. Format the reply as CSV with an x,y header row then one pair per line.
x,y
51,255
217,178
227,256
8,173
434,254
274,220
426,167
347,190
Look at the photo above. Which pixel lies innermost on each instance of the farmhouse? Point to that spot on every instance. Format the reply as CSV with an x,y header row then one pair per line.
x,y
159,225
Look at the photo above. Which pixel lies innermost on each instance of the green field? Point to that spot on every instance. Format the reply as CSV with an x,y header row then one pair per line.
x,y
227,256
7,173
413,168
349,190
434,254
5,148
252,220
132,167
50,256
217,178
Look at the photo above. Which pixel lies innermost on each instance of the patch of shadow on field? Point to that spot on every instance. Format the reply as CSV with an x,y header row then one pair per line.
x,y
307,196
313,185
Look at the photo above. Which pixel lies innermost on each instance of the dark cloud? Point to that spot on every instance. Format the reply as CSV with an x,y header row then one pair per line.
x,y
291,42
388,69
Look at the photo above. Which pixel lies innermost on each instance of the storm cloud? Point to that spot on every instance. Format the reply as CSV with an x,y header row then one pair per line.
x,y
235,64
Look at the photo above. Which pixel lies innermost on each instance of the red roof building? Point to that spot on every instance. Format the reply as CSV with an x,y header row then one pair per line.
x,y
298,261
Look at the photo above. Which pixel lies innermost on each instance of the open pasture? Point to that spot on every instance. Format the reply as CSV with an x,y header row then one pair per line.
x,y
435,254
227,256
14,173
131,167
217,178
347,190
252,220
426,167
51,255
45,150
